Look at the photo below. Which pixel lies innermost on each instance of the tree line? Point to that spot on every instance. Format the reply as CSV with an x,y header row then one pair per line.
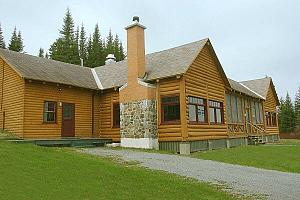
x,y
289,114
73,45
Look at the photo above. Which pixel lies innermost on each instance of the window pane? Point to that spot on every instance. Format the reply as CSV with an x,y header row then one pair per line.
x,y
253,112
201,114
228,108
219,115
50,117
192,113
67,113
171,112
239,109
257,112
116,115
234,109
212,115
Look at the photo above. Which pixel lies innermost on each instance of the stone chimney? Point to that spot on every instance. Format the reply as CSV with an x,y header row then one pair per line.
x,y
138,109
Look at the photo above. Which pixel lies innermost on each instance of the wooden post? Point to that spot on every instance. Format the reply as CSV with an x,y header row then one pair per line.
x,y
183,111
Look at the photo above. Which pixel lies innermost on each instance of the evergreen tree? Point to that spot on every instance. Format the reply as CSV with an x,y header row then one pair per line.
x,y
122,52
287,116
20,42
297,108
13,45
96,56
82,44
46,55
2,42
41,53
109,48
65,48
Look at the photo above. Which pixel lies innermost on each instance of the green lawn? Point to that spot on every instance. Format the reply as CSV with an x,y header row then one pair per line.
x,y
32,172
284,156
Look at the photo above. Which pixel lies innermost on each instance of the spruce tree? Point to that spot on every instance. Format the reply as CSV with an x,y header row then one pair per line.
x,y
82,44
121,52
46,55
287,116
109,48
20,42
13,45
96,56
297,109
65,48
41,53
2,42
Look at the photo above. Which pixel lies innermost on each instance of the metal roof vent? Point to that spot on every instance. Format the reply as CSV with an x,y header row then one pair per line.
x,y
110,58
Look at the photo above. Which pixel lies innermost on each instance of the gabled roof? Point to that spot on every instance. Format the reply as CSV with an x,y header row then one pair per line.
x,y
162,64
261,86
36,68
241,88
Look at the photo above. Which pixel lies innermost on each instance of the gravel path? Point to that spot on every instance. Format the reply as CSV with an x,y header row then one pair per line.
x,y
241,179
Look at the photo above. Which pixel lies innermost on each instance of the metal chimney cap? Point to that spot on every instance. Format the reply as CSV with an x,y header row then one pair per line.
x,y
136,19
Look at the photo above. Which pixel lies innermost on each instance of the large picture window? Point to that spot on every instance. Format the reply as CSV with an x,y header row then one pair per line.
x,y
197,110
170,109
234,108
216,112
116,115
49,115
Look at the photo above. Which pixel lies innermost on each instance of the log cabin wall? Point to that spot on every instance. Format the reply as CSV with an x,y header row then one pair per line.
x,y
270,106
168,131
204,80
36,93
106,128
11,100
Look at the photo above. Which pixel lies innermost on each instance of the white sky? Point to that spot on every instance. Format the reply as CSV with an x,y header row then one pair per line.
x,y
252,38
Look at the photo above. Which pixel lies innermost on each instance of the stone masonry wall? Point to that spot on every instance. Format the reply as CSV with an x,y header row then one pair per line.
x,y
138,119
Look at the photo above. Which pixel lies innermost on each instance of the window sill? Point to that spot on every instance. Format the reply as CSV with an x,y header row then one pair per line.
x,y
171,123
49,123
197,123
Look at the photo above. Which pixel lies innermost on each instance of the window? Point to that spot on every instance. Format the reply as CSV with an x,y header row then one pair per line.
x,y
253,112
170,109
216,112
234,109
49,112
271,119
274,119
116,115
197,110
228,108
239,109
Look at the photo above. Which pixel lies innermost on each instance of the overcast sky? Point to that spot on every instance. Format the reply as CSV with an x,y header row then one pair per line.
x,y
252,38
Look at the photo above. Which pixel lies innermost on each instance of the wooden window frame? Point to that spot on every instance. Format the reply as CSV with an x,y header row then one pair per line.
x,y
205,110
114,115
55,112
215,112
162,104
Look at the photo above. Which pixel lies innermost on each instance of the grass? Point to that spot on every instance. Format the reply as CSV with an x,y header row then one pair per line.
x,y
284,156
32,172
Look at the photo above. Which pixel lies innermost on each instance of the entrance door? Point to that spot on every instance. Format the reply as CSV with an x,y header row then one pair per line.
x,y
68,120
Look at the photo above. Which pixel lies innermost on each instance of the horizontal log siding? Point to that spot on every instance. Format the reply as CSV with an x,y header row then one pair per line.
x,y
35,95
168,132
204,80
11,99
270,106
106,129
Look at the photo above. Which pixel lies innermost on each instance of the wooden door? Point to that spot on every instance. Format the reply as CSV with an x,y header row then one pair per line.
x,y
68,120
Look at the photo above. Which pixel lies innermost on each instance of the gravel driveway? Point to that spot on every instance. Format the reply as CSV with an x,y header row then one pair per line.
x,y
241,179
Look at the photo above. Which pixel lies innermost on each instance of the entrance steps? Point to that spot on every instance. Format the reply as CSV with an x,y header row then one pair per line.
x,y
255,139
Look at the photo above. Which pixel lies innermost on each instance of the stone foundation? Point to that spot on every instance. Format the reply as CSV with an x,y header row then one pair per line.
x,y
138,124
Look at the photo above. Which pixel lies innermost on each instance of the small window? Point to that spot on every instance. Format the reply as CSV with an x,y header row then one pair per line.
x,y
170,109
268,119
197,110
274,119
216,112
116,115
49,112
